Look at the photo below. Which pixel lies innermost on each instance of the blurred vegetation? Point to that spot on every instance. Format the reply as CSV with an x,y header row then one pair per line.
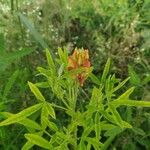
x,y
108,28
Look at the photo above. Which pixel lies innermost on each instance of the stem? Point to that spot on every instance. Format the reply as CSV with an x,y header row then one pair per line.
x,y
73,93
108,142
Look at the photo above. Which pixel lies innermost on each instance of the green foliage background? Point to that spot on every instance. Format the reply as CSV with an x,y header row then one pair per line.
x,y
108,28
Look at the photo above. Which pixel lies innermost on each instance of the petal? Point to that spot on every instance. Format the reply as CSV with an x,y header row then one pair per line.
x,y
71,63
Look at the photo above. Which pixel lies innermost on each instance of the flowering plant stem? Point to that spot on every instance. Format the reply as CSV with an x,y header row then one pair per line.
x,y
73,94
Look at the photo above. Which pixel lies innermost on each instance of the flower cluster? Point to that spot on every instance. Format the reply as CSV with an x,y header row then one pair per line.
x,y
80,60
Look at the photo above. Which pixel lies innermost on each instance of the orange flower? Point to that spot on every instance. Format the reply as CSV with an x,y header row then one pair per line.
x,y
80,60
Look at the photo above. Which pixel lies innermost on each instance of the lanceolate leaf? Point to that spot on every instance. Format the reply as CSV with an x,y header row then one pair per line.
x,y
120,84
10,83
126,102
38,140
106,70
126,94
27,146
50,110
26,122
36,92
21,115
50,60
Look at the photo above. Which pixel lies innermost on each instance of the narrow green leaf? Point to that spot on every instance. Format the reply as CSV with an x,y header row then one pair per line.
x,y
94,79
120,84
36,92
96,143
131,103
60,53
108,142
44,114
33,31
113,131
82,145
38,140
10,83
97,125
60,70
50,110
51,125
26,122
42,84
107,116
50,60
87,131
44,72
21,115
27,146
106,70
126,94
116,115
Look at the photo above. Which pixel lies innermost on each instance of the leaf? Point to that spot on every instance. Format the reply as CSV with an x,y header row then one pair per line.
x,y
96,99
131,103
108,142
60,70
21,115
96,143
42,84
134,78
97,125
126,94
106,70
107,116
113,131
44,114
26,122
50,60
63,55
38,140
36,92
50,110
27,146
10,83
120,84
116,115
82,145
33,31
51,125
44,72
94,79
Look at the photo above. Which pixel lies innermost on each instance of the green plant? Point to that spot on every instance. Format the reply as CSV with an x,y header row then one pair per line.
x,y
95,126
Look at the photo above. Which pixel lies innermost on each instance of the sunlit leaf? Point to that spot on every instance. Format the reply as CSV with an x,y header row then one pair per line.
x,y
21,115
38,140
36,92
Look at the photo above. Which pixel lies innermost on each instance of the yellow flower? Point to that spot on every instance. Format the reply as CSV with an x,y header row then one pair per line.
x,y
80,60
